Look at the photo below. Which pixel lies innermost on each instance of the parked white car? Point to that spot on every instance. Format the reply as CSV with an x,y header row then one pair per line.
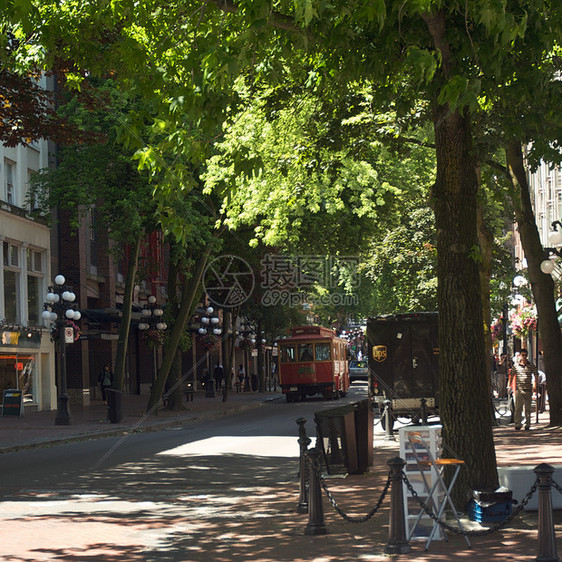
x,y
358,371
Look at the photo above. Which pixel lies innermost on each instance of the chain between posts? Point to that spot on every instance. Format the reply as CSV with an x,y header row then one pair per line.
x,y
348,518
423,505
456,531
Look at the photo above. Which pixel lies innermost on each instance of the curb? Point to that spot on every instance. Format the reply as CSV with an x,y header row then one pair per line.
x,y
139,427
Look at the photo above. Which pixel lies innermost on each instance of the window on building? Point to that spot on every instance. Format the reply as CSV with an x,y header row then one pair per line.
x,y
12,275
10,178
32,201
35,288
92,242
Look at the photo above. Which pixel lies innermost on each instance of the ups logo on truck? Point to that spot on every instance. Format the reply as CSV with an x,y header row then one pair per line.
x,y
380,353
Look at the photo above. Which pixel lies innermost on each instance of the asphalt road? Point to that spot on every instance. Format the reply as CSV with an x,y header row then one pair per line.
x,y
163,495
270,429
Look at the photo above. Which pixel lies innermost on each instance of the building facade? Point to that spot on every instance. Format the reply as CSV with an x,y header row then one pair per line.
x,y
545,185
27,358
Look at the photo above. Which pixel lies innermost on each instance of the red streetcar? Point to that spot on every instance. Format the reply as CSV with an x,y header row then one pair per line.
x,y
313,361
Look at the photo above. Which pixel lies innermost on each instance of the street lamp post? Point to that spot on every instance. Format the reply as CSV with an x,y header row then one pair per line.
x,y
209,323
555,239
59,308
246,340
152,320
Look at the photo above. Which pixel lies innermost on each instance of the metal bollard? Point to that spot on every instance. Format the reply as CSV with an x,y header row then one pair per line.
x,y
547,540
315,524
388,421
397,539
304,442
423,411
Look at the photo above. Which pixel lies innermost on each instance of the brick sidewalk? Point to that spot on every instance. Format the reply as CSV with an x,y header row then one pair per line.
x,y
280,536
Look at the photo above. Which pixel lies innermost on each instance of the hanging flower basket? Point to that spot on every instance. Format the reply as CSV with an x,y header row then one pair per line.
x,y
153,338
524,321
209,341
246,344
496,329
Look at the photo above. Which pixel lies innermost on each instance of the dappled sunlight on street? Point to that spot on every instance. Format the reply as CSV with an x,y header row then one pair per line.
x,y
261,446
231,497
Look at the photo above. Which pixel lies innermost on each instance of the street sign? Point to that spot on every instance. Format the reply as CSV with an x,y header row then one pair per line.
x,y
68,334
12,402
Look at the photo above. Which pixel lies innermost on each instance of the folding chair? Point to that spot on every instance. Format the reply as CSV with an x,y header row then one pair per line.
x,y
437,466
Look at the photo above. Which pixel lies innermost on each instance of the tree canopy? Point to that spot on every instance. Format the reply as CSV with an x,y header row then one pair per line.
x,y
453,65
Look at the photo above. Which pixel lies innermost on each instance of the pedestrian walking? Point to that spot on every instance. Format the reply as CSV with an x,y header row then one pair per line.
x,y
502,369
241,377
105,380
218,375
522,374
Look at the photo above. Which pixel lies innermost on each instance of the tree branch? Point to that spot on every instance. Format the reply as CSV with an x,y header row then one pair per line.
x,y
497,166
436,25
275,19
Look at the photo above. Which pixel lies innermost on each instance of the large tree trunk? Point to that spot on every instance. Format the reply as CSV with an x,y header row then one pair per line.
x,y
188,300
124,329
464,396
542,284
174,383
486,243
463,366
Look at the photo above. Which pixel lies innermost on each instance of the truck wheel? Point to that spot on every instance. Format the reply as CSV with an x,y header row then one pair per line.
x,y
291,397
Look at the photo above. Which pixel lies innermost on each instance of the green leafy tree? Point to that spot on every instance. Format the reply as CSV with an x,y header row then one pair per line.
x,y
103,176
435,57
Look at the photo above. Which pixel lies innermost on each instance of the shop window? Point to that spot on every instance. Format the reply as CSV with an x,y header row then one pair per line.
x,y
16,371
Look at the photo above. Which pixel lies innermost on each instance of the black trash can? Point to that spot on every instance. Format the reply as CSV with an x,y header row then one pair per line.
x,y
114,405
345,437
364,435
336,438
210,388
